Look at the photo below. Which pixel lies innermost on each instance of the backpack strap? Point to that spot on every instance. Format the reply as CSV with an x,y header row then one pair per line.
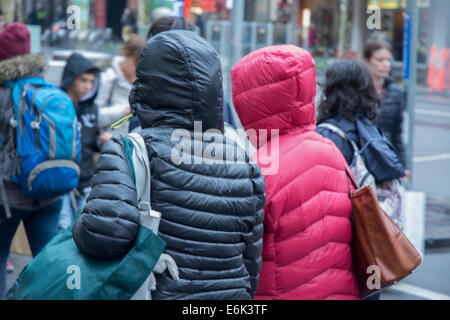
x,y
340,133
149,218
142,176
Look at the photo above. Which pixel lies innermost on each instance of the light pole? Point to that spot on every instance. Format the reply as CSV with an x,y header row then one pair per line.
x,y
236,27
410,75
237,19
343,8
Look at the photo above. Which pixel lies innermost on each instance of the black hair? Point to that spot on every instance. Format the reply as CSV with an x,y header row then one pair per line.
x,y
169,23
93,72
349,91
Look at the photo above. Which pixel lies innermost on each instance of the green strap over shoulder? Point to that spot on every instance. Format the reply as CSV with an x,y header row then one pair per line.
x,y
129,147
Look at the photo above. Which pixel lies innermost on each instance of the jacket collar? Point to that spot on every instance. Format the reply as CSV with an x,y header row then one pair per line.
x,y
21,66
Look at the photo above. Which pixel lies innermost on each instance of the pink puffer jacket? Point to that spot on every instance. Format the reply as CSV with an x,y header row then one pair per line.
x,y
306,248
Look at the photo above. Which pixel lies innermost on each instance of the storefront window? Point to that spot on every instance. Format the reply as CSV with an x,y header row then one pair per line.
x,y
319,25
212,21
424,34
393,24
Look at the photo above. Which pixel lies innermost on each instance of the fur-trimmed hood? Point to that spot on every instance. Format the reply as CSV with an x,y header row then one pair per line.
x,y
21,66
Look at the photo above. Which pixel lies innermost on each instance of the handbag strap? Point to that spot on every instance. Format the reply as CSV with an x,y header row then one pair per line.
x,y
350,181
340,133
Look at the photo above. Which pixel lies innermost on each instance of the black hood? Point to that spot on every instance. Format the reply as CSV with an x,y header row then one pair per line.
x,y
179,81
77,65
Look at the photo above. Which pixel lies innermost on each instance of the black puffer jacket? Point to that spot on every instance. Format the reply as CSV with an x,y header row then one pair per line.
x,y
212,213
390,120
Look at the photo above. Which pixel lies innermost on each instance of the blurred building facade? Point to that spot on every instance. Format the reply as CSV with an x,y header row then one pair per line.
x,y
330,29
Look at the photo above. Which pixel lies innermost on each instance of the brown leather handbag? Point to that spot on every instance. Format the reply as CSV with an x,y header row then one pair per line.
x,y
382,254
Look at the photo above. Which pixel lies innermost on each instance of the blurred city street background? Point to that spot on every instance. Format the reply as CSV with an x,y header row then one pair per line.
x,y
330,30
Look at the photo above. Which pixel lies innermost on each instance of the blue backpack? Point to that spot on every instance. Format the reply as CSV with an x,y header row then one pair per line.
x,y
47,139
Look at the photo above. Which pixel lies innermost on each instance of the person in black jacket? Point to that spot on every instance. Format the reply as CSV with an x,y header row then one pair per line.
x,y
212,210
378,58
352,104
81,81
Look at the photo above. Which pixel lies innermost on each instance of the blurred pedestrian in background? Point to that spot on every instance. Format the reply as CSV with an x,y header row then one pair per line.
x,y
116,82
81,80
378,58
211,210
352,104
40,216
128,22
307,223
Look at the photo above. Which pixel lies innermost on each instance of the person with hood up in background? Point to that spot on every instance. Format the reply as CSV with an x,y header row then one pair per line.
x,y
211,209
307,216
81,82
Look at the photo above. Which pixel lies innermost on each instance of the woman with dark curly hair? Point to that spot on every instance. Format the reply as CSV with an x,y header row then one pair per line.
x,y
352,104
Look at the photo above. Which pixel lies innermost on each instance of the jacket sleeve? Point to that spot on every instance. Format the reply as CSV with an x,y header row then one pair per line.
x,y
109,223
253,252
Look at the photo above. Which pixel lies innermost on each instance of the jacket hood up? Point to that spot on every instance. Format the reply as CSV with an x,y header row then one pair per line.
x,y
274,88
76,65
179,81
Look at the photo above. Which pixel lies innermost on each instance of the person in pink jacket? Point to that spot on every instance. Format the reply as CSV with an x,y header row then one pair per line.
x,y
307,223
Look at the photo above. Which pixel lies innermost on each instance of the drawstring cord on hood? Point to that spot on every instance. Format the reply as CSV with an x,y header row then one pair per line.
x,y
121,122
